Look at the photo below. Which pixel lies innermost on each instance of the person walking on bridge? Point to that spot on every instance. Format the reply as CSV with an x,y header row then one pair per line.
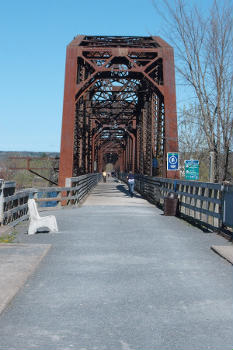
x,y
130,179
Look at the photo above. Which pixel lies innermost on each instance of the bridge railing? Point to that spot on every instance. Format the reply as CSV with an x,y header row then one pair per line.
x,y
199,201
13,205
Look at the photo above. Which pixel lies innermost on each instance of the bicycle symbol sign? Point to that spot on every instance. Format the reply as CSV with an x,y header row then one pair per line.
x,y
172,161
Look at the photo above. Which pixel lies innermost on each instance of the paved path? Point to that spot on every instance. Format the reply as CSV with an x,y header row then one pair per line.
x,y
120,275
17,262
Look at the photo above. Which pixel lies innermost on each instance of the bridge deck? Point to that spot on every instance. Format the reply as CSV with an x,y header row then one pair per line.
x,y
120,275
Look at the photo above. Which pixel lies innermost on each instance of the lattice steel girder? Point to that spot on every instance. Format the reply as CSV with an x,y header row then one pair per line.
x,y
113,77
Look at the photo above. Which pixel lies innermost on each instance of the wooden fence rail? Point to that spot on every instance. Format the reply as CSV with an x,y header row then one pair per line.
x,y
200,201
14,208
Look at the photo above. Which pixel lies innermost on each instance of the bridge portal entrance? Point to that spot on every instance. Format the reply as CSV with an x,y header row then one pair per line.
x,y
119,106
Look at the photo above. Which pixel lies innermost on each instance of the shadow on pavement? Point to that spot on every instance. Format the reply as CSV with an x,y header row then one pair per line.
x,y
126,192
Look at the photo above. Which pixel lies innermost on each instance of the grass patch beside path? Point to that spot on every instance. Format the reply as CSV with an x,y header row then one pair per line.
x,y
8,238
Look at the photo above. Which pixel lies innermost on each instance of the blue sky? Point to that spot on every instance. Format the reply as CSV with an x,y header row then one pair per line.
x,y
33,39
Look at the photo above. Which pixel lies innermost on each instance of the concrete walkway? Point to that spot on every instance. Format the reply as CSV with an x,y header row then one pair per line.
x,y
120,275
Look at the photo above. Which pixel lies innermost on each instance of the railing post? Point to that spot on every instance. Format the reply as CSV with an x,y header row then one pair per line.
x,y
222,209
68,183
1,202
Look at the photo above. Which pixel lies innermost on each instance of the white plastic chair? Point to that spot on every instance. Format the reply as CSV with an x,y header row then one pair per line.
x,y
36,221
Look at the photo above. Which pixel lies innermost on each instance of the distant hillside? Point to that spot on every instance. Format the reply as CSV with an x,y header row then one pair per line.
x,y
4,154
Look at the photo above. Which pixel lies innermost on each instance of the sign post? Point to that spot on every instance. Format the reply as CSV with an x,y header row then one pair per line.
x,y
172,161
191,169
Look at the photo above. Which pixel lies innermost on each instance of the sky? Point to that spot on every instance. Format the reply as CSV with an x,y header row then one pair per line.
x,y
33,39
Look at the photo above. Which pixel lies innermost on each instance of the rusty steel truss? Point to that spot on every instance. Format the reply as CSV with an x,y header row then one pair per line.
x,y
119,106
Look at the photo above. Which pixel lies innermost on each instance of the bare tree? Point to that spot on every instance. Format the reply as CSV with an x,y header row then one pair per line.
x,y
192,140
204,48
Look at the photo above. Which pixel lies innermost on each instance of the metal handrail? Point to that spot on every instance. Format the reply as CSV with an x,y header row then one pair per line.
x,y
202,202
13,208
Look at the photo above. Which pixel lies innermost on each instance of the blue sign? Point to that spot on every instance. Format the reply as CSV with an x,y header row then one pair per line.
x,y
172,161
154,163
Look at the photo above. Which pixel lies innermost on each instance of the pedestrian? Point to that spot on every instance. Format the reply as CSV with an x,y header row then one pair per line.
x,y
104,174
130,179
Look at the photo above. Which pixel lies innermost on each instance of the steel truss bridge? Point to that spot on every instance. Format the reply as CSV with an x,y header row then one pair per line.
x,y
119,106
